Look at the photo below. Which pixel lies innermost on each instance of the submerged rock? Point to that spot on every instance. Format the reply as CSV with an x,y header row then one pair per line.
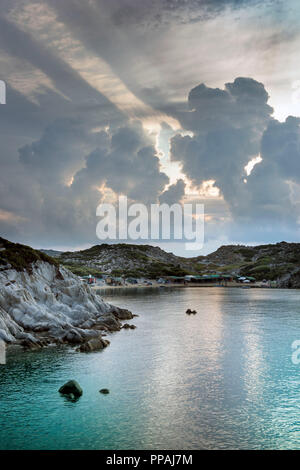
x,y
71,388
105,391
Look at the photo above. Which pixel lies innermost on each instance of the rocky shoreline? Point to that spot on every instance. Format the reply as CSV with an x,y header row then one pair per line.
x,y
49,305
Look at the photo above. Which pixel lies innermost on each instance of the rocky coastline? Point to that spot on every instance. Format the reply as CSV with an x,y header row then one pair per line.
x,y
47,304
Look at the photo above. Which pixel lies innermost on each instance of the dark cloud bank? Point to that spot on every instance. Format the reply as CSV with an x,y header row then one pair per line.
x,y
230,127
156,13
54,186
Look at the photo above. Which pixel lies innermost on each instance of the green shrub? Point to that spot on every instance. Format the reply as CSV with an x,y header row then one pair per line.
x,y
21,257
247,253
81,270
265,260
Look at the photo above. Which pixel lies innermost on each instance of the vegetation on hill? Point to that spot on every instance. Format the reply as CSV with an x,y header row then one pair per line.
x,y
126,260
20,257
279,262
81,270
271,262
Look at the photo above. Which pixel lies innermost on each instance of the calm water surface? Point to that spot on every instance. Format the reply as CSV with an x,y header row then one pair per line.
x,y
221,379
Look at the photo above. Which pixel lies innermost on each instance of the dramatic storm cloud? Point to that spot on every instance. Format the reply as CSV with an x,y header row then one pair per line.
x,y
230,128
174,193
126,162
227,128
162,101
70,181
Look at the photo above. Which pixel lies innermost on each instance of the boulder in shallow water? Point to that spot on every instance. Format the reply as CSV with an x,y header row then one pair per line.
x,y
189,311
73,336
71,388
126,326
121,313
105,391
94,344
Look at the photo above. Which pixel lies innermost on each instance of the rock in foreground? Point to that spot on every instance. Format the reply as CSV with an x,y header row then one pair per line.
x,y
71,388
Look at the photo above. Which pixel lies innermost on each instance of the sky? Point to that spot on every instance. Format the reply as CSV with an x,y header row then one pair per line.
x,y
163,101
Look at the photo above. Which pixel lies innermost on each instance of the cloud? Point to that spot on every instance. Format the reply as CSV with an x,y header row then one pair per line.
x,y
227,127
61,177
281,146
159,48
137,39
65,144
69,170
127,163
174,193
23,46
161,12
269,185
57,154
230,127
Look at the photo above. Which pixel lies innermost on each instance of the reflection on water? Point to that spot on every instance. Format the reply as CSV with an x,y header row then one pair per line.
x,y
220,379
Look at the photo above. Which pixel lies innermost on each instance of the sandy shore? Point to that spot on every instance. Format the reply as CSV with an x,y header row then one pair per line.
x,y
155,285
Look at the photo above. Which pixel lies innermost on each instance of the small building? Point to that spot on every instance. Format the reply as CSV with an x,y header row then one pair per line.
x,y
131,280
89,279
246,279
217,278
114,281
189,277
175,279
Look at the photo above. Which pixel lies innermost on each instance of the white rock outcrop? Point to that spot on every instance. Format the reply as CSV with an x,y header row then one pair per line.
x,y
50,304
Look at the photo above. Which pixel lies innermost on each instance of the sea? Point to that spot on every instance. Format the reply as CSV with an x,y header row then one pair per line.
x,y
227,377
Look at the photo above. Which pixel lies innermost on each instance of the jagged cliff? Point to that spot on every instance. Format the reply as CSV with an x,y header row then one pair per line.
x,y
41,302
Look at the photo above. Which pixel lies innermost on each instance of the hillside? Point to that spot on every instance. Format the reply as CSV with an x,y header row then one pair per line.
x,y
52,253
280,261
126,259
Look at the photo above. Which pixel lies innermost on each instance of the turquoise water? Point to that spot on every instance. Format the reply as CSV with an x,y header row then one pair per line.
x,y
221,379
